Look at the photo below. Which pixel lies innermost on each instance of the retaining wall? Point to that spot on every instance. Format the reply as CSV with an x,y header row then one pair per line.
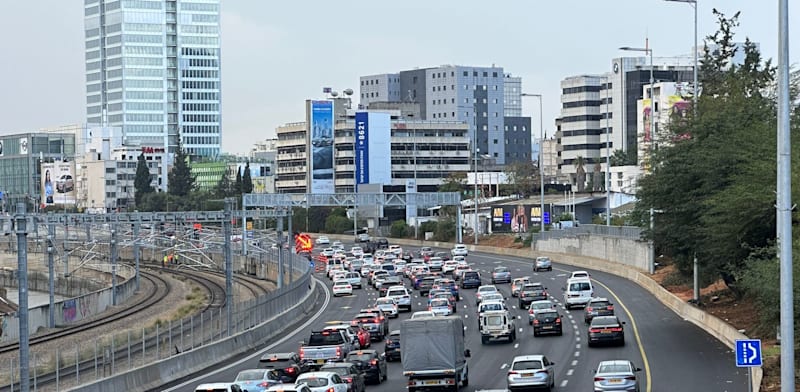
x,y
576,251
157,374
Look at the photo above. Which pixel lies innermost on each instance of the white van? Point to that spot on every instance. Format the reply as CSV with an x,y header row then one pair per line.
x,y
579,292
334,263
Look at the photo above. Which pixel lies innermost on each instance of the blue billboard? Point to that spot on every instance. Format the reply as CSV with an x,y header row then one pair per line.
x,y
373,148
321,146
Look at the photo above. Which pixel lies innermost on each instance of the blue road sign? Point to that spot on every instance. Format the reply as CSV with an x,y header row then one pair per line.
x,y
546,218
507,217
748,352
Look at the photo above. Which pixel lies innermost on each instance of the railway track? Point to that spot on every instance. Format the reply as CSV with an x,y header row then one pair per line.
x,y
161,289
252,285
216,290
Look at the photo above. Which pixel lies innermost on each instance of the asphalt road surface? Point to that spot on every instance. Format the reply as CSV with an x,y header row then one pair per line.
x,y
674,354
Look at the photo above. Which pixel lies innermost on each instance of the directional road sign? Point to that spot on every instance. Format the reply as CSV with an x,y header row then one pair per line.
x,y
748,352
546,218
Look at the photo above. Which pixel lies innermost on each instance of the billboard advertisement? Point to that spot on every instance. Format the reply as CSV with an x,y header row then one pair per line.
x,y
517,218
321,129
373,147
58,183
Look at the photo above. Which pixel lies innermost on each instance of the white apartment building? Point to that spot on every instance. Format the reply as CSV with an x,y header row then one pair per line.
x,y
671,104
428,151
153,69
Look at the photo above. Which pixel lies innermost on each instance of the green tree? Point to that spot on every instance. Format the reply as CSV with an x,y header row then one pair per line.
x,y
580,173
180,178
399,229
141,182
523,177
238,186
224,187
247,180
623,158
455,182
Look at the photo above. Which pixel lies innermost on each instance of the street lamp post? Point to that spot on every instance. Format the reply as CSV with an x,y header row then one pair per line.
x,y
693,3
608,161
541,160
475,195
649,51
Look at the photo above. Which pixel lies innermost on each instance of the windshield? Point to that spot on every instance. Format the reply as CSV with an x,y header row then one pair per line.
x,y
542,316
579,286
486,290
491,307
494,320
342,371
527,365
439,302
248,375
362,357
326,339
314,381
614,368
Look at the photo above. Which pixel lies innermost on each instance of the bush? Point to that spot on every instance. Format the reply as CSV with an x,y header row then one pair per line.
x,y
399,229
429,226
336,224
445,230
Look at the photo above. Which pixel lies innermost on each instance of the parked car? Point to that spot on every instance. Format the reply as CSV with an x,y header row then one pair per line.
x,y
597,307
542,263
349,372
616,375
392,346
546,322
285,364
531,371
606,329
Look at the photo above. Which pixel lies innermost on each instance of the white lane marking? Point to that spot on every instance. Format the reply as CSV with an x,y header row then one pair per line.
x,y
575,326
569,315
520,329
564,383
577,338
570,371
516,345
561,275
578,346
466,316
505,365
577,353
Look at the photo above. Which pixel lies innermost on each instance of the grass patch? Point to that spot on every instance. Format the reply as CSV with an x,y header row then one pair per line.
x,y
676,278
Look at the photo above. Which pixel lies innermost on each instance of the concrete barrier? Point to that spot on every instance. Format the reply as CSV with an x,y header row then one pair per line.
x,y
156,374
718,328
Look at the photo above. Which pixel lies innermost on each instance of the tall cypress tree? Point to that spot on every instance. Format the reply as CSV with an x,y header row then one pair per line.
x,y
247,180
142,181
238,185
224,186
181,180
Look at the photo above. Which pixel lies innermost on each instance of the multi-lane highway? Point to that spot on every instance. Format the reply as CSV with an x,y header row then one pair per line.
x,y
674,354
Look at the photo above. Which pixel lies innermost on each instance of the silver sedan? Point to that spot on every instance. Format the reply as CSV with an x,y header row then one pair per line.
x,y
616,375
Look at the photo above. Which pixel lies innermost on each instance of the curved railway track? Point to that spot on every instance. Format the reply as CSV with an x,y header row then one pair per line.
x,y
253,285
161,289
216,290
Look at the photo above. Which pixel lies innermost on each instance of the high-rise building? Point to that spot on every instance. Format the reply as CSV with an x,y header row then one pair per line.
x,y
153,69
476,96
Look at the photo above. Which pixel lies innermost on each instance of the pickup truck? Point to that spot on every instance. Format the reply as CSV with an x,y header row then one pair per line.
x,y
324,346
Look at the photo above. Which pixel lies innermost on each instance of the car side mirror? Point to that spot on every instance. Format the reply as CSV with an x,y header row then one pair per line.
x,y
302,343
563,289
552,363
638,369
467,353
622,322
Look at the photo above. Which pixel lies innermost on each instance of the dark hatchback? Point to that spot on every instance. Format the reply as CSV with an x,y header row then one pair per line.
x,y
425,284
349,372
371,363
392,346
606,329
287,365
597,307
470,279
547,322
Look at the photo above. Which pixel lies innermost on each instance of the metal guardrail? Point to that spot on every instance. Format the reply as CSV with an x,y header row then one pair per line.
x,y
629,232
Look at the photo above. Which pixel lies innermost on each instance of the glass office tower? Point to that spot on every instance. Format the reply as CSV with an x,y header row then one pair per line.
x,y
153,68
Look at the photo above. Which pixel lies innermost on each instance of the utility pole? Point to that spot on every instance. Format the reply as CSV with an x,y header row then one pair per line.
x,y
22,269
226,230
280,252
51,232
136,250
114,265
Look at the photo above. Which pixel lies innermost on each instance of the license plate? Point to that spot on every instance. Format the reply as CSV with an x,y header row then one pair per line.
x,y
614,380
526,374
432,382
547,327
320,361
605,331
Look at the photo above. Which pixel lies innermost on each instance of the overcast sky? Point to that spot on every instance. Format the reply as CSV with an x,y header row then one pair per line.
x,y
276,54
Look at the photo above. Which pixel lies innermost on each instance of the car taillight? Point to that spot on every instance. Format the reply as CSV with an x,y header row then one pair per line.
x,y
290,370
430,308
589,309
302,353
599,379
594,330
510,372
530,311
558,321
616,329
349,380
338,351
374,362
330,390
535,322
264,384
610,307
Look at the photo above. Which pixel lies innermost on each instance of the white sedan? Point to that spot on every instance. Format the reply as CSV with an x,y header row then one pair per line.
x,y
322,382
342,287
323,240
388,306
459,250
327,252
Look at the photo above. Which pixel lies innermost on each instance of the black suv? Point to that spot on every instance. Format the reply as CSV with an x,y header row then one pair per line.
x,y
382,243
531,292
547,321
288,365
392,347
378,327
470,279
371,363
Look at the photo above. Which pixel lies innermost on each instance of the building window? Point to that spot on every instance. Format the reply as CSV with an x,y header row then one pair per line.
x,y
494,74
485,74
494,141
466,73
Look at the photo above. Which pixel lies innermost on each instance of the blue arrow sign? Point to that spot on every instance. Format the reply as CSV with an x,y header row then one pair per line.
x,y
748,352
546,218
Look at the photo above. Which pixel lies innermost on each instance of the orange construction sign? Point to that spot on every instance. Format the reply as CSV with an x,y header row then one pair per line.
x,y
303,243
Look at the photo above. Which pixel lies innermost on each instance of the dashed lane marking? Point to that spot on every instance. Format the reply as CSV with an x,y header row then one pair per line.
x,y
577,353
570,371
516,345
505,365
574,362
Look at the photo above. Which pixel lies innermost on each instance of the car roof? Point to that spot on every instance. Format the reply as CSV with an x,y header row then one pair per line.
x,y
316,374
278,356
599,299
534,357
336,327
605,320
214,385
329,365
375,352
492,302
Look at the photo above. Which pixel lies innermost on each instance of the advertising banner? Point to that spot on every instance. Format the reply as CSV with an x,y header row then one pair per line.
x,y
321,127
411,208
373,147
517,218
58,183
362,148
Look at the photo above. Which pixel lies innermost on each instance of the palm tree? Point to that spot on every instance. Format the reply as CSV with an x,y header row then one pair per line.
x,y
597,179
580,173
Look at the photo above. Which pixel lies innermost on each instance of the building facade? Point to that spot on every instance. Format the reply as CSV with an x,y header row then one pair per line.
x,y
21,160
428,151
473,95
153,69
